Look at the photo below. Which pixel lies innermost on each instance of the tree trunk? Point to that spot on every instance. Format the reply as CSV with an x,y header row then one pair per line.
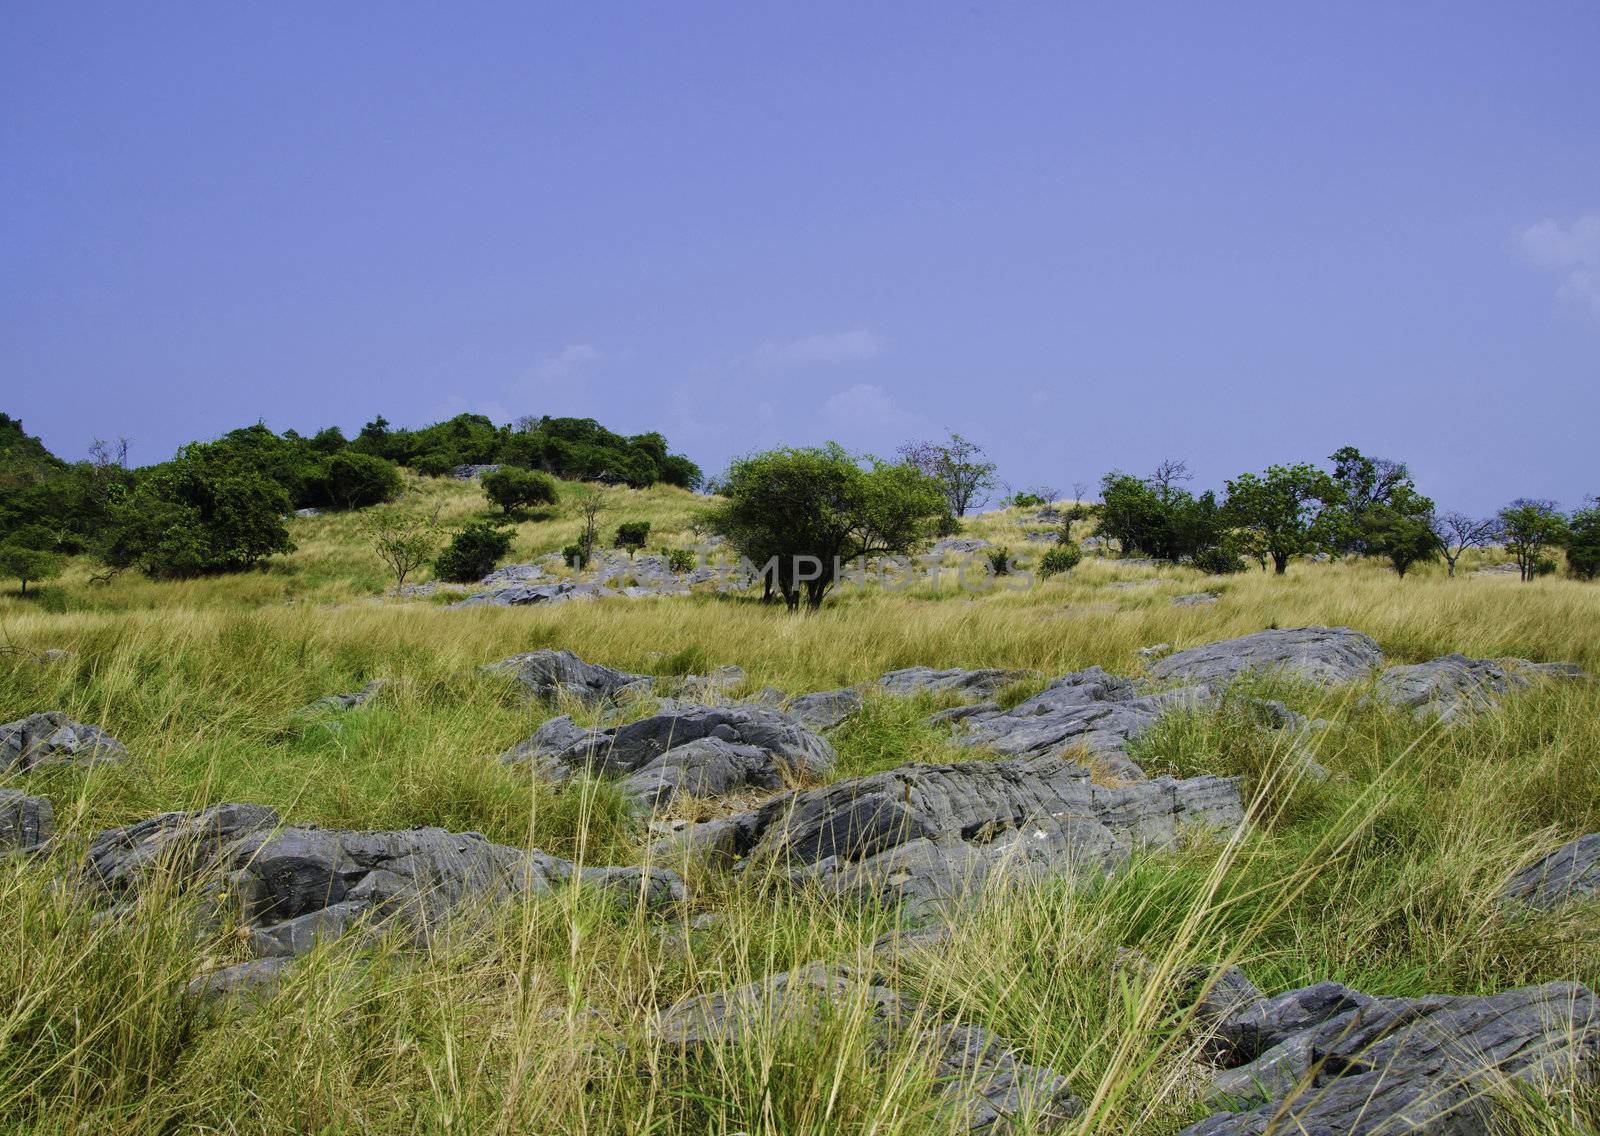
x,y
1280,562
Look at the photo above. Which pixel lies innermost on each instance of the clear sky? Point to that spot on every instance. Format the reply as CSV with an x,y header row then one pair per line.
x,y
1087,236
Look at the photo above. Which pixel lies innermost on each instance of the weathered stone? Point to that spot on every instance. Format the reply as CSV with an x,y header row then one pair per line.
x,y
548,674
924,834
257,978
1315,654
1195,599
1454,686
352,701
791,751
1409,1065
52,738
471,472
1250,1029
1569,874
524,595
824,709
705,767
292,887
712,686
1097,712
984,1085
25,822
513,574
985,682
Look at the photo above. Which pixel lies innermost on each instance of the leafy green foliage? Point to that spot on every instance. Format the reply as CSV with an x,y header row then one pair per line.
x,y
1061,558
29,565
1158,518
357,480
632,535
1284,510
679,560
516,489
1531,528
472,553
1583,542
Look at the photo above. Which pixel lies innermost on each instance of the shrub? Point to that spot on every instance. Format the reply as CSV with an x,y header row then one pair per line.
x,y
24,564
574,555
1061,558
633,534
948,525
680,560
1025,500
357,480
1219,560
435,464
472,553
1583,543
515,489
1000,561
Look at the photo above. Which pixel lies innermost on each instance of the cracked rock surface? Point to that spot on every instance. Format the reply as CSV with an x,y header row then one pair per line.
x,y
52,738
1316,654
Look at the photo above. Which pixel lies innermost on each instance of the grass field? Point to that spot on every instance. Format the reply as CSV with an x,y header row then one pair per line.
x,y
1383,877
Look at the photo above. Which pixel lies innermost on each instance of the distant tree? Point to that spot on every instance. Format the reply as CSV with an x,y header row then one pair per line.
x,y
1370,490
515,489
404,541
958,466
1583,542
1157,517
801,514
1530,528
1402,531
1077,508
589,536
680,471
24,564
1283,508
472,552
1456,532
632,535
356,480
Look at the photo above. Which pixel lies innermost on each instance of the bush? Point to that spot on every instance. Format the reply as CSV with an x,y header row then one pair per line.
x,y
1062,558
357,480
574,555
433,465
1583,543
1025,500
1000,561
472,553
514,489
633,534
1218,560
680,560
948,525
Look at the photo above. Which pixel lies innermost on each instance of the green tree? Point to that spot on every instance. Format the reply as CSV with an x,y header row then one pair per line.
x,y
632,535
1531,528
958,466
1402,531
403,541
1158,517
516,489
1370,490
356,480
21,563
1583,542
1282,509
472,553
799,515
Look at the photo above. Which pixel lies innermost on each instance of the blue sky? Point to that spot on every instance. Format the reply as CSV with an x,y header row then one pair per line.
x,y
1086,236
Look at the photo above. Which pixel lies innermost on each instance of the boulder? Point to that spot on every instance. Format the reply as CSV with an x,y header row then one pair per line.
x,y
824,709
525,595
1392,1065
1089,709
257,978
985,682
1454,686
1570,873
471,472
712,686
985,1085
512,574
1195,599
52,738
757,747
353,701
547,674
1315,654
291,887
25,822
925,834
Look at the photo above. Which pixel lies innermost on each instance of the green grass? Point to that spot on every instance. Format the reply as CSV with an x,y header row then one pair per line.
x,y
537,1019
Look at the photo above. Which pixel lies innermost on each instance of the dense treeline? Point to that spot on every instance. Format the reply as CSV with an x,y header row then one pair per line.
x,y
219,506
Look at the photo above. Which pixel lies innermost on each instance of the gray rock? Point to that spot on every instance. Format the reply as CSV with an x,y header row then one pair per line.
x,y
985,1085
1255,1026
1155,651
471,472
761,748
52,738
824,709
547,674
352,701
1454,686
293,887
1099,712
1506,569
512,574
1570,873
1409,1065
307,513
257,978
526,595
25,822
984,682
1316,654
958,545
712,686
924,834
53,655
1195,599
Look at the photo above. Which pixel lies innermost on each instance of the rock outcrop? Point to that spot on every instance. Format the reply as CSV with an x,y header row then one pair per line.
x,y
548,674
1453,686
685,749
824,709
1569,874
335,703
1330,1060
1315,654
924,834
984,1085
984,682
25,822
52,738
290,887
526,595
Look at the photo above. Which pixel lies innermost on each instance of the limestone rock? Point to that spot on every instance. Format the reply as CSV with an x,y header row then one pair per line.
x,y
25,822
1454,686
985,682
1570,873
1316,654
52,738
352,701
547,674
824,709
